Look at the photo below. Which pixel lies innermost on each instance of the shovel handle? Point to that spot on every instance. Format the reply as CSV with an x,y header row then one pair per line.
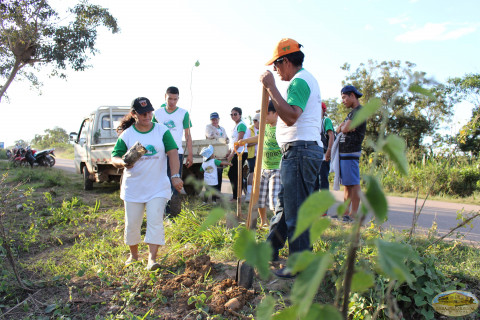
x,y
258,161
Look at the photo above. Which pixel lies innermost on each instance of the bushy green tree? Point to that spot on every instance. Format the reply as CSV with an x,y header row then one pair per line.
x,y
468,88
335,111
412,114
53,138
21,143
34,34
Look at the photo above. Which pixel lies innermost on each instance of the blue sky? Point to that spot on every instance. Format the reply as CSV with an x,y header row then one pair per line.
x,y
160,41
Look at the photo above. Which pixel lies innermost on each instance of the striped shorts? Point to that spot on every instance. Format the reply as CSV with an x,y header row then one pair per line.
x,y
269,188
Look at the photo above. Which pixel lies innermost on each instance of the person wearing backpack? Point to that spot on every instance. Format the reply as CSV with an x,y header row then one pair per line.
x,y
328,137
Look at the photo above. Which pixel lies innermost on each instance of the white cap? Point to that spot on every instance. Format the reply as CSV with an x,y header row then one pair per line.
x,y
206,152
256,117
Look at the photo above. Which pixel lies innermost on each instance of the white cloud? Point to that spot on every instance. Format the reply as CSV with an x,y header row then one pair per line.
x,y
436,32
398,20
368,27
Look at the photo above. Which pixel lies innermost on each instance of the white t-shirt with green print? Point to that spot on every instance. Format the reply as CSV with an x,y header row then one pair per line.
x,y
147,179
176,122
303,91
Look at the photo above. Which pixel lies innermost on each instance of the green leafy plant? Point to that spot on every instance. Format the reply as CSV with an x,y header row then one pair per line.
x,y
394,261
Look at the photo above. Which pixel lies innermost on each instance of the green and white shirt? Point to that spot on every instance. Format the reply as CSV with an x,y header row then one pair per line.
x,y
303,91
210,175
239,127
147,179
272,155
176,122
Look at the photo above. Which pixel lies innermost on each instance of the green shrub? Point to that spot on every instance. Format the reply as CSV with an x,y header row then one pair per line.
x,y
415,299
459,177
3,154
464,181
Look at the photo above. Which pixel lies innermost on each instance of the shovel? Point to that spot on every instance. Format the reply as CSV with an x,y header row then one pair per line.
x,y
245,272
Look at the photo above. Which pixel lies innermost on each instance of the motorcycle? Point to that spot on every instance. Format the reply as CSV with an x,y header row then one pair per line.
x,y
43,158
18,158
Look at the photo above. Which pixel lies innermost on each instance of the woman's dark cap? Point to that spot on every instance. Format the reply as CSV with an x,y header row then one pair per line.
x,y
141,105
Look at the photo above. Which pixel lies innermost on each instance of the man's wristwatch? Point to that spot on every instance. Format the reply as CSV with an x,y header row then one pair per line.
x,y
177,175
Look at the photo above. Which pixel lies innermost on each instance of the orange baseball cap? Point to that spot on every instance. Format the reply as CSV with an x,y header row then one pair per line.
x,y
285,46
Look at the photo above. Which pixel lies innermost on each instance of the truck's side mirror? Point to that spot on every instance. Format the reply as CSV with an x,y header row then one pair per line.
x,y
73,136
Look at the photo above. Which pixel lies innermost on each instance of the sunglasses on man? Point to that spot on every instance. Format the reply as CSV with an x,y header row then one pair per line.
x,y
278,61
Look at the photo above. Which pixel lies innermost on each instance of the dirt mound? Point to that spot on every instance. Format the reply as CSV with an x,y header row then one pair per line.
x,y
228,291
194,275
221,297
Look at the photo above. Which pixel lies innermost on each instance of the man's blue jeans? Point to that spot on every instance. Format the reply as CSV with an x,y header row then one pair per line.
x,y
299,174
324,172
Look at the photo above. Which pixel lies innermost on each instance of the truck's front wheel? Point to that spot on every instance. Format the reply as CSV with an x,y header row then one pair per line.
x,y
87,183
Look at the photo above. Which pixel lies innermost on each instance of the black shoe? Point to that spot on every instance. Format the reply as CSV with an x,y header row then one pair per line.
x,y
334,217
283,274
347,219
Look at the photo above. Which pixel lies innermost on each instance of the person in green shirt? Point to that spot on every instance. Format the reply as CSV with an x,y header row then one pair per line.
x,y
327,139
272,155
240,131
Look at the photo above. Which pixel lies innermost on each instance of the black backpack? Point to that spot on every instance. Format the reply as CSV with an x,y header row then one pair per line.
x,y
325,137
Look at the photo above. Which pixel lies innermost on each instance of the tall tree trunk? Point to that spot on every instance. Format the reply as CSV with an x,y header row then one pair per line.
x,y
18,65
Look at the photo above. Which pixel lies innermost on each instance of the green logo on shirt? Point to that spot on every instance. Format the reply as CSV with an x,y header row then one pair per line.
x,y
150,150
170,124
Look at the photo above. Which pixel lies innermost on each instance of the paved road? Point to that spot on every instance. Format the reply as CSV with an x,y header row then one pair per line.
x,y
64,164
400,210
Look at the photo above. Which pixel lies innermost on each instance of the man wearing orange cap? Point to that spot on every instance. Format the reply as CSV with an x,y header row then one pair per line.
x,y
298,135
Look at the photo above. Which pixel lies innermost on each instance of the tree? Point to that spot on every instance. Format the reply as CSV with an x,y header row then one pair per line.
x,y
33,34
335,111
468,88
53,138
21,143
414,104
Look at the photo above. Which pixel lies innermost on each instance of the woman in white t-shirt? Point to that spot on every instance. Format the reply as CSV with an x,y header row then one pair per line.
x,y
239,132
145,184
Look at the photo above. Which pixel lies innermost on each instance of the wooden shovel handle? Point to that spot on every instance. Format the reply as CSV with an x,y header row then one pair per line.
x,y
258,162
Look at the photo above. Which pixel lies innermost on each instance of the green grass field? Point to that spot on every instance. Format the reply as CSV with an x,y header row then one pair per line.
x,y
67,247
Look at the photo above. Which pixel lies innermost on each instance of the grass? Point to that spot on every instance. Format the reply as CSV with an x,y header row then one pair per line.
x,y
69,249
472,199
65,153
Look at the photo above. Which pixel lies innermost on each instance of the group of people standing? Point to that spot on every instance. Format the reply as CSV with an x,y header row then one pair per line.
x,y
294,157
243,145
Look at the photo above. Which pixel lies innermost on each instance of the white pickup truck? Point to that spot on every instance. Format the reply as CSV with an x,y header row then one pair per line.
x,y
94,142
